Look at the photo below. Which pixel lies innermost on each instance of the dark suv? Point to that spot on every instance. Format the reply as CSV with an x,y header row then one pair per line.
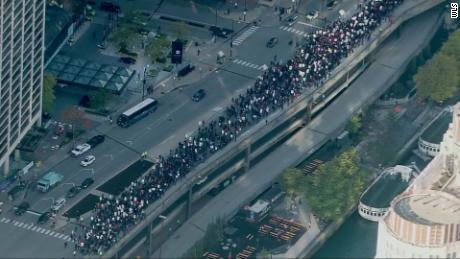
x,y
22,208
44,217
86,183
198,95
96,140
272,42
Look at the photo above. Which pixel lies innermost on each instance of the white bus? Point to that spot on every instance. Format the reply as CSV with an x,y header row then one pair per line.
x,y
137,112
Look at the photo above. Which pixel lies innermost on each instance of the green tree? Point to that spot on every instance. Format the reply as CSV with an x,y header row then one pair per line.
x,y
48,92
179,30
124,36
291,181
354,125
77,118
157,48
263,254
438,79
452,46
335,185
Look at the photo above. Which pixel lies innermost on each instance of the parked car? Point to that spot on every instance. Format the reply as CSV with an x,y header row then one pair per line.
x,y
95,141
185,70
128,60
109,7
44,217
73,192
86,183
272,42
101,46
198,95
22,208
331,4
88,160
220,32
291,20
58,204
312,15
15,190
80,149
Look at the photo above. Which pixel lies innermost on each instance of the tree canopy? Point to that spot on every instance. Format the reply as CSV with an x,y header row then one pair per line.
x,y
438,79
354,125
332,188
335,185
179,30
48,92
157,48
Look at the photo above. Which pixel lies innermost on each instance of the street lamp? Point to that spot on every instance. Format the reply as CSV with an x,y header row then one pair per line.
x,y
163,219
143,81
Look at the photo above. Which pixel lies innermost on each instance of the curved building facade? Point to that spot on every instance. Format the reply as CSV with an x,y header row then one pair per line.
x,y
424,225
424,221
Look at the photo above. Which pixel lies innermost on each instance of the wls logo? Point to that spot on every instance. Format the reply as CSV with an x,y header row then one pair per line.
x,y
454,10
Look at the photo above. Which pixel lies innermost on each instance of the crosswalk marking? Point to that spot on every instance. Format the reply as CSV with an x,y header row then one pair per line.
x,y
245,35
250,65
31,227
290,29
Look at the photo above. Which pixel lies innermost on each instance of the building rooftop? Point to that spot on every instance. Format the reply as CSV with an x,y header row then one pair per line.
x,y
436,130
429,208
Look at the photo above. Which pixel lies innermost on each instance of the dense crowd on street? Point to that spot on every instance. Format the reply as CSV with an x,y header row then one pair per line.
x,y
280,84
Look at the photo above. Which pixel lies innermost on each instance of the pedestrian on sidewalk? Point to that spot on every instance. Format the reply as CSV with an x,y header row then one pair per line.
x,y
65,244
198,52
74,253
236,5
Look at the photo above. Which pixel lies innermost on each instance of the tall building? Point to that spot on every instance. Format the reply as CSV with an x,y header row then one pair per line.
x,y
424,221
22,29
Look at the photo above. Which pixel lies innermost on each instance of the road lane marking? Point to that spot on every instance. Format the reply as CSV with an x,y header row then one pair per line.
x,y
31,226
34,228
16,223
22,224
57,234
310,25
47,231
3,220
43,230
245,35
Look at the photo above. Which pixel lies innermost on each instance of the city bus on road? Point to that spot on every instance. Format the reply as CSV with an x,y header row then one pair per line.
x,y
137,112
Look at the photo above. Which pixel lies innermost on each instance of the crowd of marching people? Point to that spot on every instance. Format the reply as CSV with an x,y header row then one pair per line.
x,y
313,62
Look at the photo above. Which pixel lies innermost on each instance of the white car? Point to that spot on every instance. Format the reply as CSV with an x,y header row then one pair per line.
x,y
80,149
58,204
88,160
312,15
